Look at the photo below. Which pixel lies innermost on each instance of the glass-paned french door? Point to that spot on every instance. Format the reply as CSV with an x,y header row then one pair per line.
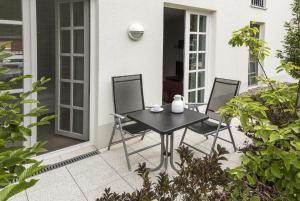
x,y
72,68
196,57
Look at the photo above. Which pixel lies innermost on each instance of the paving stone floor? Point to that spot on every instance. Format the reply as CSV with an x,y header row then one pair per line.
x,y
86,180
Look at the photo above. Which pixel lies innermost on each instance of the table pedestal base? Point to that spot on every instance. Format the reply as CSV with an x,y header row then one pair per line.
x,y
166,153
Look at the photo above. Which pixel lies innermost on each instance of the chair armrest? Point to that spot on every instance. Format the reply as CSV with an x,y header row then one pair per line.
x,y
118,116
196,104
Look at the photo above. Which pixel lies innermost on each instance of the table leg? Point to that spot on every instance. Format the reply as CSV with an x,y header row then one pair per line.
x,y
172,153
162,151
166,153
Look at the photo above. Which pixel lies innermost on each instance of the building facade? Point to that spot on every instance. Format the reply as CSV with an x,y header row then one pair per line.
x,y
81,44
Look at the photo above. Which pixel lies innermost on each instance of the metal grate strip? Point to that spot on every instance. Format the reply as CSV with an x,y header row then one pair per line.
x,y
67,162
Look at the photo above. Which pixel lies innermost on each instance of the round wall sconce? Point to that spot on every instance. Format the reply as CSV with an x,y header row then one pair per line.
x,y
136,32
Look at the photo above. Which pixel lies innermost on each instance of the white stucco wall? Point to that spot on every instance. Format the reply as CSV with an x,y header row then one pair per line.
x,y
118,55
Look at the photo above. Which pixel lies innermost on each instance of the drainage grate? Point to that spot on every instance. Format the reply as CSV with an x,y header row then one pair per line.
x,y
67,162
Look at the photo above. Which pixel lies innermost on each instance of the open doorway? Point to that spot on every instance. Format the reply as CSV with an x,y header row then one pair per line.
x,y
173,57
63,56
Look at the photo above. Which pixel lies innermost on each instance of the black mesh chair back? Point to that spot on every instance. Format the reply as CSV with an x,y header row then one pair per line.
x,y
128,97
222,92
128,94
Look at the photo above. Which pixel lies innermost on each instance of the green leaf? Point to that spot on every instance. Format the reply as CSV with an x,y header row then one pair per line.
x,y
30,171
296,144
274,137
29,101
7,97
25,131
276,170
3,70
251,179
255,198
14,189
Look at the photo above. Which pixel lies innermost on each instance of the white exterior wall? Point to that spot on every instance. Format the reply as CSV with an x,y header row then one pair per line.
x,y
118,55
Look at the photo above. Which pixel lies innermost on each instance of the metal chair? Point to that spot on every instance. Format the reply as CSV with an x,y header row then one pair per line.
x,y
222,92
128,97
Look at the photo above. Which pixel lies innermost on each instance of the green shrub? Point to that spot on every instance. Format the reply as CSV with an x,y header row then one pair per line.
x,y
16,163
270,167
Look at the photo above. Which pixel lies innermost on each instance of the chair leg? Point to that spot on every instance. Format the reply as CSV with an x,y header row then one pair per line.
x,y
214,143
143,136
216,137
182,139
231,136
112,137
125,149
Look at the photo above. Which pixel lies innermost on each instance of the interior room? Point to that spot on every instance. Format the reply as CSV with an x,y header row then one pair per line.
x,y
173,65
46,67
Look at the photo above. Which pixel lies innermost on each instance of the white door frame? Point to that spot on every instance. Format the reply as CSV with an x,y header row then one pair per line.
x,y
30,61
30,65
208,66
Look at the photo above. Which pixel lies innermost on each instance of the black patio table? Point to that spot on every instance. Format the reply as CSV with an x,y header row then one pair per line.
x,y
165,123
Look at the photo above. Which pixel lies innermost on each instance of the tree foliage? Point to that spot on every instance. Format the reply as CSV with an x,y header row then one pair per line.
x,y
16,163
291,43
271,163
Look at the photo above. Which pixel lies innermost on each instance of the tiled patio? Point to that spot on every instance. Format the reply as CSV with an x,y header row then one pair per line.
x,y
86,180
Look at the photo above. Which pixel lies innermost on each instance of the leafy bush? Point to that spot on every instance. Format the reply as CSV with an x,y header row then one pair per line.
x,y
197,179
271,164
16,163
273,159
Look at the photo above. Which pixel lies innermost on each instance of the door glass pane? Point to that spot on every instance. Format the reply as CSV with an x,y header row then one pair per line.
x,y
192,97
78,95
65,41
202,42
201,79
192,80
193,61
78,121
201,96
65,15
78,14
12,57
11,10
78,41
65,91
201,61
78,68
193,42
194,23
65,67
64,119
202,24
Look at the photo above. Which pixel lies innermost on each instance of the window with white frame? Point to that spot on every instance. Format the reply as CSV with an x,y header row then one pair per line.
x,y
11,41
258,3
253,64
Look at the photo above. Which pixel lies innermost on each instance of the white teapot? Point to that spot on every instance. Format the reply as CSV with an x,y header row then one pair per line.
x,y
178,104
